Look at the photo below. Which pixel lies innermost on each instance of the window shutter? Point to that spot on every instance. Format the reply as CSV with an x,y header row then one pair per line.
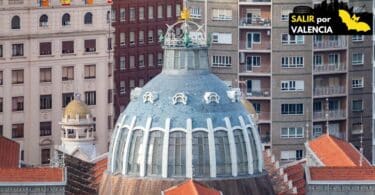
x,y
300,86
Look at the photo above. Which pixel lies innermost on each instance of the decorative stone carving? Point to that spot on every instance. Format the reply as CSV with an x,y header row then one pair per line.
x,y
150,97
234,94
179,98
210,97
135,93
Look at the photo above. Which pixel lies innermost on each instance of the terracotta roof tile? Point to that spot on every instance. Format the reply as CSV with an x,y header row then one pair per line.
x,y
342,173
333,151
191,187
31,175
9,153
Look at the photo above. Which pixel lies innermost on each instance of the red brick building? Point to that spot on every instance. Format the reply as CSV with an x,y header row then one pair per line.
x,y
138,54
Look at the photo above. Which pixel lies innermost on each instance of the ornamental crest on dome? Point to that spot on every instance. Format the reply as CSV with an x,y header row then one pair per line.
x,y
179,98
135,93
150,97
210,97
234,94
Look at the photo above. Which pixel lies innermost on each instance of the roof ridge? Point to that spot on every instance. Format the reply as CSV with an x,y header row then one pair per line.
x,y
194,187
333,140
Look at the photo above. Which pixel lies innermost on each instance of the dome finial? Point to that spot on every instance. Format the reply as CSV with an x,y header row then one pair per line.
x,y
77,96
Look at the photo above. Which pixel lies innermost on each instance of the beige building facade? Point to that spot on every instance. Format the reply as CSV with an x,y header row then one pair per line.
x,y
48,53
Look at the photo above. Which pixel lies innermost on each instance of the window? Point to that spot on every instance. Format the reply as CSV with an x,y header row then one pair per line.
x,y
178,10
134,152
299,154
88,18
287,39
109,44
150,12
288,155
66,98
356,38
221,14
292,85
17,76
132,14
17,103
290,109
357,83
90,71
45,48
122,88
169,11
1,77
68,73
90,97
223,161
17,50
357,105
357,58
131,84
150,36
109,96
285,15
195,13
252,38
65,21
45,128
160,59
252,61
45,102
240,144
155,153
43,20
150,59
1,104
122,63
131,62
222,38
1,51
256,107
318,60
113,15
122,39
221,61
67,47
317,130
201,159
122,14
120,149
141,13
90,45
141,37
17,131
1,130
131,39
292,132
160,11
333,58
357,128
16,22
177,154
292,62
141,61
45,75
45,156
141,82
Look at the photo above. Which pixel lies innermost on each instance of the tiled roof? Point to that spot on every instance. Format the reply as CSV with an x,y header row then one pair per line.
x,y
31,174
296,174
9,153
335,152
191,187
342,173
98,170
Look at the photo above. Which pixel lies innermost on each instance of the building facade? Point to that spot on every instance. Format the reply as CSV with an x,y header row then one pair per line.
x,y
138,54
49,52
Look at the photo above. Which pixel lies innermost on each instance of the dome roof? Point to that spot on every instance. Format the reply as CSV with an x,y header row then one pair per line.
x,y
76,107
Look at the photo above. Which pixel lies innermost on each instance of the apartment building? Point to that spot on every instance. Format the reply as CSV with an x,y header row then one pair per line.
x,y
48,52
138,54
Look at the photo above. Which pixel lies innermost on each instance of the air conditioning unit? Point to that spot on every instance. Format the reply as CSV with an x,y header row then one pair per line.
x,y
268,32
242,57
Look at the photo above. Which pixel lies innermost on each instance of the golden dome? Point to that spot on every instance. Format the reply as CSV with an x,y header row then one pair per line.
x,y
76,107
248,106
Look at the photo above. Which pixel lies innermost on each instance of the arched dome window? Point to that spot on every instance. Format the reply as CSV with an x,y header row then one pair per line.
x,y
134,158
240,143
201,157
65,19
179,98
120,147
16,22
177,154
43,20
210,97
88,18
253,149
155,153
222,149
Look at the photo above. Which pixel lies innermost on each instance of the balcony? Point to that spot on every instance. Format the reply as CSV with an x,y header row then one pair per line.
x,y
248,70
258,94
255,2
341,43
329,69
264,117
329,91
264,46
255,23
265,139
332,115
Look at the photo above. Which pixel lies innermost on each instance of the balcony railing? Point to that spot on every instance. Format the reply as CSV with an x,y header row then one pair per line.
x,y
328,44
265,139
256,1
264,116
265,45
329,68
332,114
259,93
244,68
336,90
259,22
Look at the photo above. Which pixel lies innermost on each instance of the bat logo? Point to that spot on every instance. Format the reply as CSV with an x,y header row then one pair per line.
x,y
352,22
